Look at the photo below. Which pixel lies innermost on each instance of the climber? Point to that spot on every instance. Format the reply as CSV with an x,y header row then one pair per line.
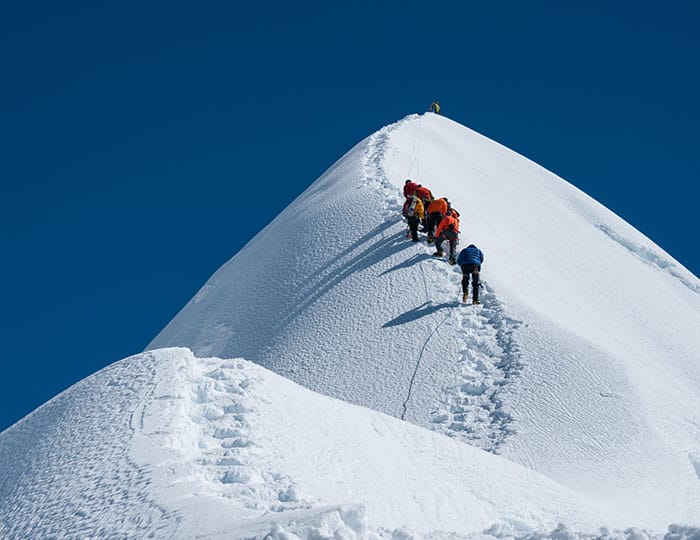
x,y
424,194
455,213
409,188
435,107
436,211
447,230
470,260
426,197
414,214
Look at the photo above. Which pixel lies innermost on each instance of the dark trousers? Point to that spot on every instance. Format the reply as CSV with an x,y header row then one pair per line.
x,y
451,238
413,227
434,220
473,271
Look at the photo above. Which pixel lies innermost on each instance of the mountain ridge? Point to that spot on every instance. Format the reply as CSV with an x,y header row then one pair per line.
x,y
564,373
552,305
192,447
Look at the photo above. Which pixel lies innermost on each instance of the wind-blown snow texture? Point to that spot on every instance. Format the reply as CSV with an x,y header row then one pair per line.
x,y
582,363
186,446
580,371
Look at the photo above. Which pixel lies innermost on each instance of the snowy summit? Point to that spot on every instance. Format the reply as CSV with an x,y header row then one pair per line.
x,y
327,382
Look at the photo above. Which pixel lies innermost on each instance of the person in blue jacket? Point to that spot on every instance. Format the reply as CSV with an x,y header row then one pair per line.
x,y
470,260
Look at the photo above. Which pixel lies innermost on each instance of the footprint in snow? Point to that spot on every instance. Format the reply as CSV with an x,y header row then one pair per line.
x,y
242,475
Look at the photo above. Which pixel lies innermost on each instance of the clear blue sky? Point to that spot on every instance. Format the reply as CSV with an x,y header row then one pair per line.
x,y
128,129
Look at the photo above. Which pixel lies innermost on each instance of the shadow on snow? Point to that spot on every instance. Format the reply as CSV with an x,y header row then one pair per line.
x,y
417,258
428,308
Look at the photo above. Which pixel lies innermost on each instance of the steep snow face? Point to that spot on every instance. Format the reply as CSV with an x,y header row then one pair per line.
x,y
165,445
582,363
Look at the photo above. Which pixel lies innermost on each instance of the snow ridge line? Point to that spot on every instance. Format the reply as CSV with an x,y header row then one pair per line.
x,y
649,256
373,165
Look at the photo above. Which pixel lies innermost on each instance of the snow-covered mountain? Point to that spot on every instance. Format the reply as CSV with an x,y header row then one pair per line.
x,y
582,364
579,372
164,444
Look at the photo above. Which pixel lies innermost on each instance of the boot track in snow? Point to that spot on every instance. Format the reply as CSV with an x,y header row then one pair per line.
x,y
472,409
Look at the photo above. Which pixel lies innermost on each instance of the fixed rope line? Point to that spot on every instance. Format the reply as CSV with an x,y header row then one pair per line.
x,y
416,151
425,344
420,357
418,137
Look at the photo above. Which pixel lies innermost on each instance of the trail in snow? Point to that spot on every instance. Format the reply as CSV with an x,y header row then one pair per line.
x,y
222,448
359,313
471,410
228,458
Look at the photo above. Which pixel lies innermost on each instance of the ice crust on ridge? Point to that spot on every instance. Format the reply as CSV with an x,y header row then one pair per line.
x,y
582,364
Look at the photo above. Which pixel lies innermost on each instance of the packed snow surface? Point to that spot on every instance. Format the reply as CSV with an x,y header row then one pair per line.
x,y
167,445
582,363
567,402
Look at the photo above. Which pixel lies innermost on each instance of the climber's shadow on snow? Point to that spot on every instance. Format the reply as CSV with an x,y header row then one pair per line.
x,y
421,311
367,237
418,257
354,259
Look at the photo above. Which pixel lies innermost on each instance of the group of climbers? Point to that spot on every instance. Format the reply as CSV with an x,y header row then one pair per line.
x,y
441,223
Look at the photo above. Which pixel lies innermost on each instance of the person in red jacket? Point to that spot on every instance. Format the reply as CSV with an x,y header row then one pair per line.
x,y
426,197
424,194
409,188
447,230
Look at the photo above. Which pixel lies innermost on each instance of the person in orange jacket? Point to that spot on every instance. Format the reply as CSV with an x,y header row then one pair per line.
x,y
455,214
447,230
436,211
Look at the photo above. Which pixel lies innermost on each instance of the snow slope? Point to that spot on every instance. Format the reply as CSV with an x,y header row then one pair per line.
x,y
581,365
574,384
169,445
